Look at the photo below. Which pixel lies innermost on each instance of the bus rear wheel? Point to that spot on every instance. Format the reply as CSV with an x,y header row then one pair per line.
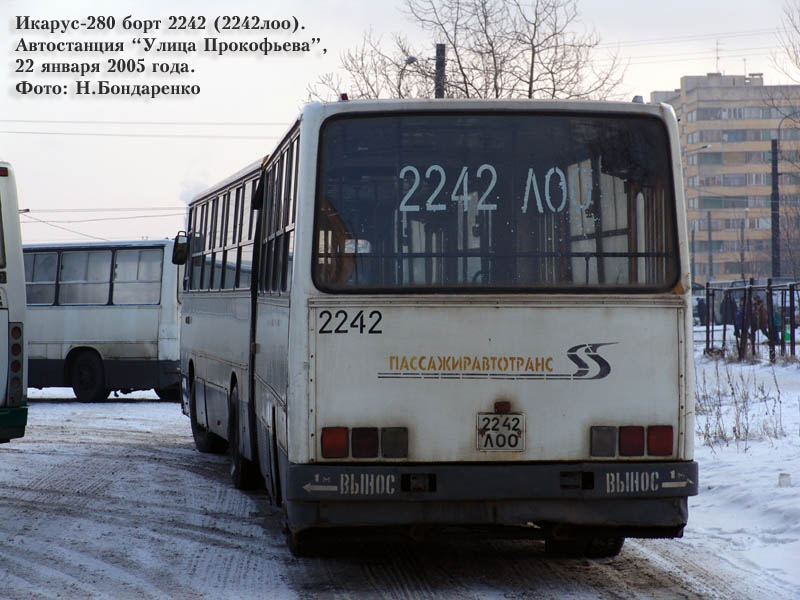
x,y
169,394
589,547
244,472
301,543
88,377
204,440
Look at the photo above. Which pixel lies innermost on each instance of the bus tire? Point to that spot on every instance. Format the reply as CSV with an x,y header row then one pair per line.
x,y
204,440
604,546
244,473
169,394
300,543
88,377
591,547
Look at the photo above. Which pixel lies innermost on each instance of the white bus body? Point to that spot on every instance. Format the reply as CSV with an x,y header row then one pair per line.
x,y
463,313
13,351
103,317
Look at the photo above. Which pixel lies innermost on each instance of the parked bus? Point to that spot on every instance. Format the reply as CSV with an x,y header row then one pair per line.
x,y
103,317
461,313
13,351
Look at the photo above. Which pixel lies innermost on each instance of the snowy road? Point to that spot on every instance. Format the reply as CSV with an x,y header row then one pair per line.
x,y
112,500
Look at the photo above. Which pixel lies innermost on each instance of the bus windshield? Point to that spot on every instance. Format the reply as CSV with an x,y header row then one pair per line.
x,y
453,202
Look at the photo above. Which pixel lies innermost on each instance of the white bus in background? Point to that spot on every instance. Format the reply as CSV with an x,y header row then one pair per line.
x,y
103,317
13,357
460,313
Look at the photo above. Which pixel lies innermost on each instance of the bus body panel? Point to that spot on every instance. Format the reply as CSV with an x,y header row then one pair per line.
x,y
303,339
433,367
211,342
271,366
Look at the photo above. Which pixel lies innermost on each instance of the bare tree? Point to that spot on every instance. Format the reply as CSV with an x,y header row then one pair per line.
x,y
370,71
784,101
790,240
495,49
786,56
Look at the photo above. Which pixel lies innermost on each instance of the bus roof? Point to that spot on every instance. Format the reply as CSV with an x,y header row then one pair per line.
x,y
325,109
98,244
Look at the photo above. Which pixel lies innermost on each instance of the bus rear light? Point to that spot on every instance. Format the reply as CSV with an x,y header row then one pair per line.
x,y
659,440
15,349
14,392
364,441
3,171
631,441
16,332
16,366
603,441
394,442
334,442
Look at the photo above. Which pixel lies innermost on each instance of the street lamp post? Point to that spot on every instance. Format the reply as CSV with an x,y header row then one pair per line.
x,y
439,79
710,250
692,252
774,202
775,212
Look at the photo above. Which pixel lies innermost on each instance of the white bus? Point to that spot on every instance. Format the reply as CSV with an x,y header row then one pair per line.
x,y
13,356
103,317
459,313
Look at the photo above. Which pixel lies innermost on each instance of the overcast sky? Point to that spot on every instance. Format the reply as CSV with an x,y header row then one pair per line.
x,y
74,155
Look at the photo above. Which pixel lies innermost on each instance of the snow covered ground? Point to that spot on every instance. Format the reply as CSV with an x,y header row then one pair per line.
x,y
748,509
743,537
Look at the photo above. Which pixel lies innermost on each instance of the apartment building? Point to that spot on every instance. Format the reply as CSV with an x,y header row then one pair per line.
x,y
727,124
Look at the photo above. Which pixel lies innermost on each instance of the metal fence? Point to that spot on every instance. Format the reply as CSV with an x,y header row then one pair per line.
x,y
747,313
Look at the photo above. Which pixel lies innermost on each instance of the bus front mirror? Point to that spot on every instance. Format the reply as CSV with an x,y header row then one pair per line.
x,y
180,251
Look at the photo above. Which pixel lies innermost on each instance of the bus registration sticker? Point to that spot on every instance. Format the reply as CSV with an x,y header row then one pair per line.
x,y
501,432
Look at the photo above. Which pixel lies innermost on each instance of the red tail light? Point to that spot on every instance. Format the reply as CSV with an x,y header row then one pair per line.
x,y
334,442
631,441
659,440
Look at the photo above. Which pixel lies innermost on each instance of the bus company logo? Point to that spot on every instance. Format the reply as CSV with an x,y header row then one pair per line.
x,y
589,351
586,357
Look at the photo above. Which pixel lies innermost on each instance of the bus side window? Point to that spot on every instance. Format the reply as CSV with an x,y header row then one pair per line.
x,y
266,230
244,258
195,268
229,256
137,276
278,224
40,277
85,277
210,274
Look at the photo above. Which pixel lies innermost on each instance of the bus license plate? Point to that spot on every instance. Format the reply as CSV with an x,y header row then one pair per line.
x,y
501,432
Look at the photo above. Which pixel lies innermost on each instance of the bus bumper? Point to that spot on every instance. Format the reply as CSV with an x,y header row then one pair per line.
x,y
644,499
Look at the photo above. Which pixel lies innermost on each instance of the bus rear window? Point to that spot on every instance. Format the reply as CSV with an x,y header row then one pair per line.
x,y
495,202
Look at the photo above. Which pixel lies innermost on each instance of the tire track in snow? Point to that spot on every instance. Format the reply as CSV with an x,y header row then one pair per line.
x,y
127,508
